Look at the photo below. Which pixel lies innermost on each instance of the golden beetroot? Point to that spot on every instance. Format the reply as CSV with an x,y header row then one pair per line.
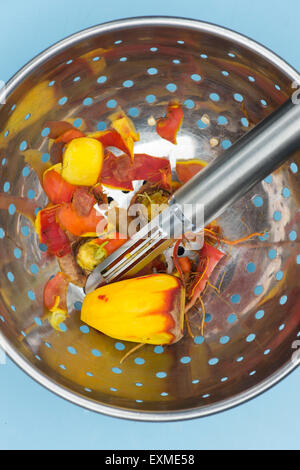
x,y
147,309
82,161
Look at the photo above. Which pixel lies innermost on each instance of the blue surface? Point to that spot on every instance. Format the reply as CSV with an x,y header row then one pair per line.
x,y
30,416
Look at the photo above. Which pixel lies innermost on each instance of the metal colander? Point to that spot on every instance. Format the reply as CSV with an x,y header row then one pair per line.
x,y
226,83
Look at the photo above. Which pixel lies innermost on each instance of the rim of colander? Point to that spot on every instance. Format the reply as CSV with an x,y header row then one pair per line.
x,y
24,363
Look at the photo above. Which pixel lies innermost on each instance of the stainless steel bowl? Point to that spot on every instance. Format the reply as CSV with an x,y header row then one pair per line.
x,y
227,84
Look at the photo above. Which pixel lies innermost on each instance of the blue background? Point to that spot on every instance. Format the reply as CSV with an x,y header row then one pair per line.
x,y
32,417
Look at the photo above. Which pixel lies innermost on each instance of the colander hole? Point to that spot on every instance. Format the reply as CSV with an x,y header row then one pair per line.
x,y
235,299
45,132
251,79
294,167
123,59
226,144
6,186
224,339
63,367
283,300
279,275
38,321
133,112
150,98
251,267
277,216
2,318
272,253
245,122
225,73
119,41
89,374
263,102
84,329
259,314
286,192
224,379
34,269
25,171
23,145
88,101
139,361
96,353
3,161
51,83
238,97
176,61
31,295
180,41
87,389
128,83
45,157
77,305
196,77
49,346
77,122
232,318
207,395
6,133
30,194
111,104
139,401
203,56
161,375
153,49
250,338
102,79
293,235
196,381
76,79
25,231
189,104
117,370
201,124
252,373
222,120
267,351
113,389
17,253
2,233
240,359
282,327
208,318
43,247
213,361
139,384
158,349
171,87
152,71
185,359
198,340
13,308
297,259
72,350
10,276
62,100
164,394
101,126
214,97
258,290
120,346
258,201
231,54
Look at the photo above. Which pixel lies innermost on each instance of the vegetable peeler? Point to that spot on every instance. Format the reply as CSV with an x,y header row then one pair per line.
x,y
209,193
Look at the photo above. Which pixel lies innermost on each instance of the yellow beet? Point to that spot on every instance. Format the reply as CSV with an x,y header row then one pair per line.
x,y
82,162
147,309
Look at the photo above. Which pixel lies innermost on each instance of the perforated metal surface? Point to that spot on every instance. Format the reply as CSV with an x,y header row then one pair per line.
x,y
227,84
